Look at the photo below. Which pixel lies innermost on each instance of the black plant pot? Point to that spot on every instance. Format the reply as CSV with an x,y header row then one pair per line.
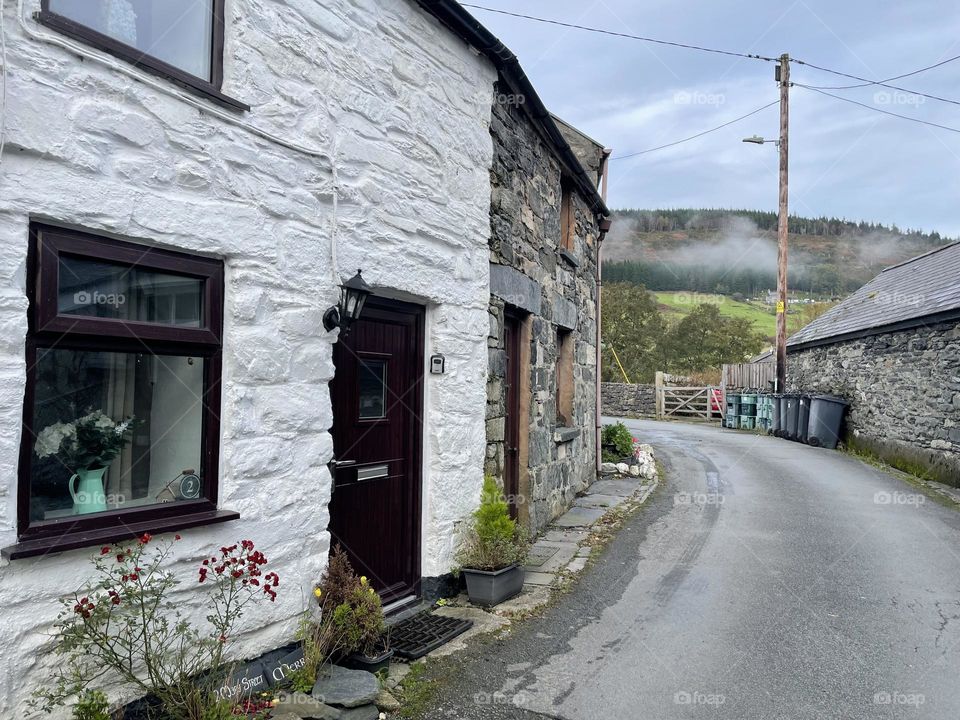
x,y
491,587
359,661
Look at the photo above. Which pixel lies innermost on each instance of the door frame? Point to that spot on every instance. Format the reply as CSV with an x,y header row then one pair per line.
x,y
387,309
512,344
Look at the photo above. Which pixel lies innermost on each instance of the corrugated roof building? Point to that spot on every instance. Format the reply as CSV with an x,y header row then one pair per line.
x,y
892,349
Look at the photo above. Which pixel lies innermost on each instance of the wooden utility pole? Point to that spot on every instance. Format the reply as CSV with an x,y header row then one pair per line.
x,y
783,76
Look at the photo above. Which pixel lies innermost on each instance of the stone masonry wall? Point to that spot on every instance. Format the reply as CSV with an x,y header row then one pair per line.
x,y
903,389
623,400
391,115
557,291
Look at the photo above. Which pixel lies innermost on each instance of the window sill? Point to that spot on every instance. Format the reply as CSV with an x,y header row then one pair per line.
x,y
570,258
119,50
90,538
565,434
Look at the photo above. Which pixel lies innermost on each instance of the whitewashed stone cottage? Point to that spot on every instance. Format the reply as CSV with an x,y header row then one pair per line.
x,y
183,186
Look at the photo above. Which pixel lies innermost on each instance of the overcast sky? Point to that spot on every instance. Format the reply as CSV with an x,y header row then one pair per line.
x,y
845,161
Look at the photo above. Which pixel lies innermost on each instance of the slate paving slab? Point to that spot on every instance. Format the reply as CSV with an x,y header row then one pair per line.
x,y
622,487
349,688
579,517
540,578
560,555
297,706
598,500
539,554
564,535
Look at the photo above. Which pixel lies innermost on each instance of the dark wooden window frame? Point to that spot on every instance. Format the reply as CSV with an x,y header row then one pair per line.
x,y
47,329
208,88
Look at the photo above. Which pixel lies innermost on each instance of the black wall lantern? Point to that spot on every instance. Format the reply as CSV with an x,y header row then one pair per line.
x,y
353,295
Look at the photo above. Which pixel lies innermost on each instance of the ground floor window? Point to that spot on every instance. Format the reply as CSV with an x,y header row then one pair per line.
x,y
121,414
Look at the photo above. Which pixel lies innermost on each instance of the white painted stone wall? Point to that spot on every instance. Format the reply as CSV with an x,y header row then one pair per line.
x,y
399,109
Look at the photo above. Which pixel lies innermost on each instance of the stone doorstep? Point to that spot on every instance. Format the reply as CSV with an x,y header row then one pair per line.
x,y
483,622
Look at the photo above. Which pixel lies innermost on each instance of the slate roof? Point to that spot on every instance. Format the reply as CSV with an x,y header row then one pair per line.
x,y
902,295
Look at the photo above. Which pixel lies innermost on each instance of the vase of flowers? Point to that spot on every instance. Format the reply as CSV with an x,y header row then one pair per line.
x,y
86,447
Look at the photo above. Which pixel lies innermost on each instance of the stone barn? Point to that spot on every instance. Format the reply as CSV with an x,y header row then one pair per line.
x,y
892,349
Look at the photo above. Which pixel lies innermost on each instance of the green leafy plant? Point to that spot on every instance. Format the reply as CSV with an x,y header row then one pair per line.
x,y
618,437
93,705
491,540
121,625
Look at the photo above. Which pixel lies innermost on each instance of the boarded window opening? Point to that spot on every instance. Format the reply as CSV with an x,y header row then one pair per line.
x,y
565,343
568,222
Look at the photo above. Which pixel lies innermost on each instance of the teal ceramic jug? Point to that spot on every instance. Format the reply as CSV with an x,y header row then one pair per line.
x,y
86,489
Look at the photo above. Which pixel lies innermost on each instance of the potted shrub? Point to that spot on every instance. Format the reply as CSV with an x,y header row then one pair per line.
x,y
351,617
492,550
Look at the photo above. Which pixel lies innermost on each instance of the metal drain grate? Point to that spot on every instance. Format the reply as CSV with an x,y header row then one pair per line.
x,y
416,636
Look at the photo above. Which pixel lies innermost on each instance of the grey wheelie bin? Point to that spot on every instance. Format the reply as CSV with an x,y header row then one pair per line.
x,y
776,415
791,403
803,418
782,412
826,415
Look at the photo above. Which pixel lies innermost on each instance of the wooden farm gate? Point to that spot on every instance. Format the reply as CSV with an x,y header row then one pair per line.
x,y
686,401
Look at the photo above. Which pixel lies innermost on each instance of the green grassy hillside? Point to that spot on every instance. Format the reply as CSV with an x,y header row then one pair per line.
x,y
677,304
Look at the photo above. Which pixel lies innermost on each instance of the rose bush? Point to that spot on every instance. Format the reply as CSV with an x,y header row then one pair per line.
x,y
122,627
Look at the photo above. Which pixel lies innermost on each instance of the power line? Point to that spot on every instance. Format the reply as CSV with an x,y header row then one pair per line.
x,y
700,134
886,80
619,34
879,110
874,82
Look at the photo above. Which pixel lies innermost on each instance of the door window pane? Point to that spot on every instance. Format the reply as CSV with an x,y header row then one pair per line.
x,y
92,288
179,32
373,389
114,431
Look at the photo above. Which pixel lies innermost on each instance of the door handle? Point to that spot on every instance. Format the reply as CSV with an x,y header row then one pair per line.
x,y
342,463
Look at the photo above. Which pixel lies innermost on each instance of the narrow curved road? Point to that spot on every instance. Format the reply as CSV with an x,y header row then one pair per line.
x,y
764,579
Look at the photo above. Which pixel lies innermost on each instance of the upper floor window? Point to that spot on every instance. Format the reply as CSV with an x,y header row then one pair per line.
x,y
179,39
122,405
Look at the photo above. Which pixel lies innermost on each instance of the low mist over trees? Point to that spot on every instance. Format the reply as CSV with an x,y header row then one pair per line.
x,y
645,341
718,218
825,279
735,251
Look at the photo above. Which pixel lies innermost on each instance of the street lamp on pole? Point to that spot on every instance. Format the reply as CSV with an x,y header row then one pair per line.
x,y
783,80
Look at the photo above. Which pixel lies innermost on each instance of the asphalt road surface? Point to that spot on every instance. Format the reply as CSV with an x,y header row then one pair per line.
x,y
763,579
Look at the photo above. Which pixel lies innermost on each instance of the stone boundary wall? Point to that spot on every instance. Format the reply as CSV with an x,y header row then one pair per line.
x,y
623,400
904,394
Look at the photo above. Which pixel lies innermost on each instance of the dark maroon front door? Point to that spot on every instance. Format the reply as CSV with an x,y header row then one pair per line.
x,y
377,405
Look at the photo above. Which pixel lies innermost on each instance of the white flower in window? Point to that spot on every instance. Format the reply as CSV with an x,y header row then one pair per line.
x,y
51,438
